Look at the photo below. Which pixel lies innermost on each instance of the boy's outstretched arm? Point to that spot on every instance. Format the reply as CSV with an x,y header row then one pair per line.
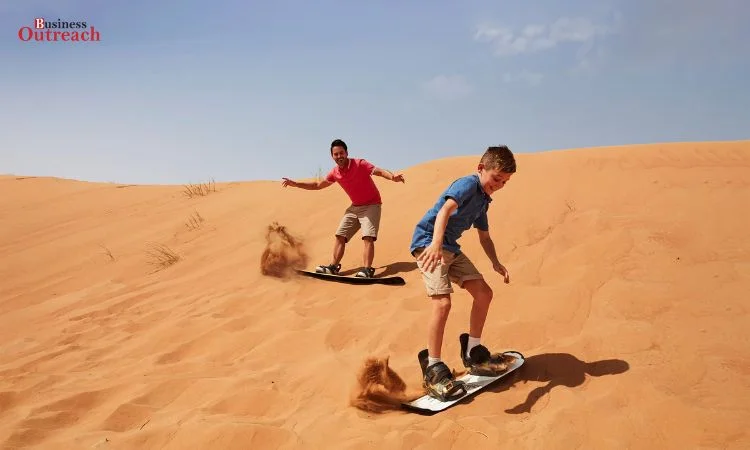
x,y
434,252
388,175
488,245
310,186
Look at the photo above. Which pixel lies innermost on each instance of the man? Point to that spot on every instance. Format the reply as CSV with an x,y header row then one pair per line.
x,y
354,175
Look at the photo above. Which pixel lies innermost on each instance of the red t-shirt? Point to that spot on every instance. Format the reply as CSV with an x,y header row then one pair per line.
x,y
357,182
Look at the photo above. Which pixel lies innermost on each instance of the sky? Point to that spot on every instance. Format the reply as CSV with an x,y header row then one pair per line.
x,y
183,92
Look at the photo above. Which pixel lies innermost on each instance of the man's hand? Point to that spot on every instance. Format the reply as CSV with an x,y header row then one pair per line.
x,y
388,175
499,268
430,258
288,182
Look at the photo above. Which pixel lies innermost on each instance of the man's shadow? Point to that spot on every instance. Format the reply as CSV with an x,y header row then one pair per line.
x,y
558,369
396,268
390,269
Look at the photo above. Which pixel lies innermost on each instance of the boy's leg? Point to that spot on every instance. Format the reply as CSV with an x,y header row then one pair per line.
x,y
469,278
438,378
439,289
474,355
482,295
441,307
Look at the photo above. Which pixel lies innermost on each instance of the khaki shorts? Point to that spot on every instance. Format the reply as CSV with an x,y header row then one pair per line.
x,y
455,268
366,217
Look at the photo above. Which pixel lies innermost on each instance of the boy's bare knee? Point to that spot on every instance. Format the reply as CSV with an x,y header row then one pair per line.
x,y
488,292
442,304
479,289
341,239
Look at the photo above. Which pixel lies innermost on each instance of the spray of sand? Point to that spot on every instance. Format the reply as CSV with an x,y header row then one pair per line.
x,y
379,388
283,253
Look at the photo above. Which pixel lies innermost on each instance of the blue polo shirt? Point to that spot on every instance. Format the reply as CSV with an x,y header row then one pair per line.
x,y
473,203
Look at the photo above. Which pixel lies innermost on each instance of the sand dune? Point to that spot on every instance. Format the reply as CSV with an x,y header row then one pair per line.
x,y
630,274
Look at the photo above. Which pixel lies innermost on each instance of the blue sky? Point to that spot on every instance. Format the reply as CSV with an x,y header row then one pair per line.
x,y
180,92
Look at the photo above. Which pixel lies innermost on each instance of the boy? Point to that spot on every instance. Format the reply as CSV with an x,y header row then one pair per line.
x,y
355,177
435,246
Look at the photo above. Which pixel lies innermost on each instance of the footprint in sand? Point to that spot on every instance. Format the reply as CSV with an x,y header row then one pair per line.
x,y
200,346
164,393
128,416
343,334
132,415
265,404
223,344
44,421
8,400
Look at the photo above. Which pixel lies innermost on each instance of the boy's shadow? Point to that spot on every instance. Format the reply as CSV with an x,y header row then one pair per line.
x,y
559,369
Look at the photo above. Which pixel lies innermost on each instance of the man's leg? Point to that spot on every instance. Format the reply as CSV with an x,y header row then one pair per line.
x,y
347,227
339,247
369,219
369,251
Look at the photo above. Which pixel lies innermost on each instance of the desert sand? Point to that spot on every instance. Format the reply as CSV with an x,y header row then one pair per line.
x,y
630,280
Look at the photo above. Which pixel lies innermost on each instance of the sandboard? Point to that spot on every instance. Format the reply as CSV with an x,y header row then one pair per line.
x,y
392,281
474,384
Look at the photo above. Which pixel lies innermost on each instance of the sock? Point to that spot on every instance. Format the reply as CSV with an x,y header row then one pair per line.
x,y
431,360
473,342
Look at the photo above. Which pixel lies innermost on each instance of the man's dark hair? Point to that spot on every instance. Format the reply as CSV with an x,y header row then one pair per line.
x,y
339,143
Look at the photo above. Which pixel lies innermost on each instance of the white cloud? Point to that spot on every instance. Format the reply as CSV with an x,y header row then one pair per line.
x,y
524,76
447,87
535,38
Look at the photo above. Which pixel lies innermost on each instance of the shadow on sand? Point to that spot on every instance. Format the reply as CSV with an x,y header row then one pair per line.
x,y
390,269
396,268
557,369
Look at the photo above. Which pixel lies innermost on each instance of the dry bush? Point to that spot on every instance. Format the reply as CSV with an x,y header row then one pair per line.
x,y
162,256
200,189
194,222
108,252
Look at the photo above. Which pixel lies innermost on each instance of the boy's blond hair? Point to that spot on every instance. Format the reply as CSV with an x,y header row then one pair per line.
x,y
499,157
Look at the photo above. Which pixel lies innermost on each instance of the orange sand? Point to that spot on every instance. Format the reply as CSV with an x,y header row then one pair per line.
x,y
630,280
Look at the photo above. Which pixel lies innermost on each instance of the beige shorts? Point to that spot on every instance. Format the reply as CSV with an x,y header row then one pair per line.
x,y
366,217
457,269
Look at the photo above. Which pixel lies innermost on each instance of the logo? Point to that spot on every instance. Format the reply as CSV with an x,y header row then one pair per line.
x,y
53,31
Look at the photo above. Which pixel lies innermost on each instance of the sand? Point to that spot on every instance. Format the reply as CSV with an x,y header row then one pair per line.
x,y
630,274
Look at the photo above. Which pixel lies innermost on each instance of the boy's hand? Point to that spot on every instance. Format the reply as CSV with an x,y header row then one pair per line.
x,y
399,177
499,268
430,258
288,182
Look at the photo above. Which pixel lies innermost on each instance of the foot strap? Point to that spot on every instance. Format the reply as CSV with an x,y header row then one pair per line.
x,y
440,382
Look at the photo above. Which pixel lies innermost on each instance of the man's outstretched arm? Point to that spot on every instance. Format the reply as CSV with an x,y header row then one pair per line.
x,y
388,175
309,185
